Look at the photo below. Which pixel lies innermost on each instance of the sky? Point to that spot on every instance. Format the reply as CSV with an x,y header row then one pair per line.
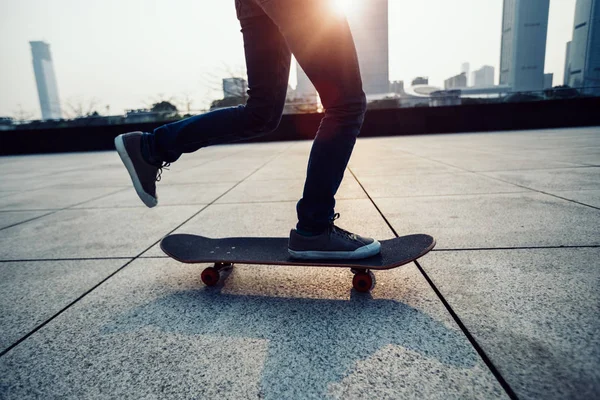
x,y
114,55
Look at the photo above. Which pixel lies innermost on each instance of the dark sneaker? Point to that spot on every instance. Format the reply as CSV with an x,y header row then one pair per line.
x,y
143,174
333,244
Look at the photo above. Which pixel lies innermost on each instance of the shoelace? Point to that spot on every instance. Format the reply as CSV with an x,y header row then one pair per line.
x,y
340,231
166,166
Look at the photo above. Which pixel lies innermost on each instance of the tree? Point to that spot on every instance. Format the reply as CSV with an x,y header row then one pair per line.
x,y
21,115
78,107
227,102
165,108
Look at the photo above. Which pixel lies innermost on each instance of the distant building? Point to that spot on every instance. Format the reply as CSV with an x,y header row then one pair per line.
x,y
584,54
234,87
45,79
523,49
567,64
442,98
369,27
420,80
548,81
455,82
466,68
484,76
140,116
397,87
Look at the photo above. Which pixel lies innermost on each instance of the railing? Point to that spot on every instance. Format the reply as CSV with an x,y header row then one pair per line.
x,y
451,97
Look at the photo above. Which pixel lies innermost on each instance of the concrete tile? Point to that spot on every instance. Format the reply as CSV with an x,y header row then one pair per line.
x,y
8,193
433,185
276,220
91,233
154,328
168,195
481,161
555,179
8,218
20,183
501,220
52,198
534,312
589,197
251,191
31,292
116,177
398,165
283,171
205,174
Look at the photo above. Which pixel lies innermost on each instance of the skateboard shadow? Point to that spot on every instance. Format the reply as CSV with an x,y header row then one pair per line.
x,y
312,343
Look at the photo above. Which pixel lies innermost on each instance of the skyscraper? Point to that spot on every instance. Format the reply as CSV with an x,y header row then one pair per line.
x,y
466,68
584,52
369,25
567,72
484,76
548,81
523,50
457,81
45,80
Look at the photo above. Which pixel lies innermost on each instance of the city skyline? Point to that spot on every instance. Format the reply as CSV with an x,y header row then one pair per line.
x,y
154,50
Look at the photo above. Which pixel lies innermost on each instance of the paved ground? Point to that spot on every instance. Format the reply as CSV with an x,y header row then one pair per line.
x,y
507,305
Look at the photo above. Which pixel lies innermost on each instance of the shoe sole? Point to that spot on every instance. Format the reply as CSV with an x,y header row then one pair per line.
x,y
148,200
358,254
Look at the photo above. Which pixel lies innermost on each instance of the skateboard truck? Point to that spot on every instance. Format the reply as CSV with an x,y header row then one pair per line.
x,y
211,275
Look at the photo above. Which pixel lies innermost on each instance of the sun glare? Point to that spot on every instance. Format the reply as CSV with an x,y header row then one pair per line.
x,y
345,7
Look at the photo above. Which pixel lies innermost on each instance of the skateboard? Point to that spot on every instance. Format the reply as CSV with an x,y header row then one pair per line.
x,y
226,252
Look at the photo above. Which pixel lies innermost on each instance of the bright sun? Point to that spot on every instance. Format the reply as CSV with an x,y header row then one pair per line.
x,y
345,7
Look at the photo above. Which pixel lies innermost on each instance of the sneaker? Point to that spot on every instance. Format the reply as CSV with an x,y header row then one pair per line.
x,y
143,174
333,244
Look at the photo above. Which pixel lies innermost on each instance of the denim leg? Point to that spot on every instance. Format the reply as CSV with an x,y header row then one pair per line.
x,y
322,43
268,61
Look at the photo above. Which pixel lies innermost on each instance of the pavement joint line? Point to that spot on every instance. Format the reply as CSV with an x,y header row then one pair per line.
x,y
284,201
583,246
41,325
65,259
546,193
511,183
449,195
60,209
488,362
454,316
537,169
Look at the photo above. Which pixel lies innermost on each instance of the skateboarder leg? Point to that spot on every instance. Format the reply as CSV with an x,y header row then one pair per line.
x,y
322,43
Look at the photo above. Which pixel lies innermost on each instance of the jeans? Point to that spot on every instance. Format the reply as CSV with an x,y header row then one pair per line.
x,y
321,41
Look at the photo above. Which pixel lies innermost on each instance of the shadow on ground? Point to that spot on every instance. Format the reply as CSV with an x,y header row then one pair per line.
x,y
311,342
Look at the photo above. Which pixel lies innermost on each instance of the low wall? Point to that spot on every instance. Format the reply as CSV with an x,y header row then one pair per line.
x,y
390,122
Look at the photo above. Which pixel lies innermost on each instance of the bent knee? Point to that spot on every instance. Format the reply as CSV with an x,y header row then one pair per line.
x,y
260,121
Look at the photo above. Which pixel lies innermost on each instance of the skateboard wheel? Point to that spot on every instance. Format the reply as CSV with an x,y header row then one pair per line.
x,y
363,281
210,276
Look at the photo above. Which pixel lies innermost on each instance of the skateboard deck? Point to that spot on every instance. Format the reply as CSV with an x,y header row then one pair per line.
x,y
274,251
